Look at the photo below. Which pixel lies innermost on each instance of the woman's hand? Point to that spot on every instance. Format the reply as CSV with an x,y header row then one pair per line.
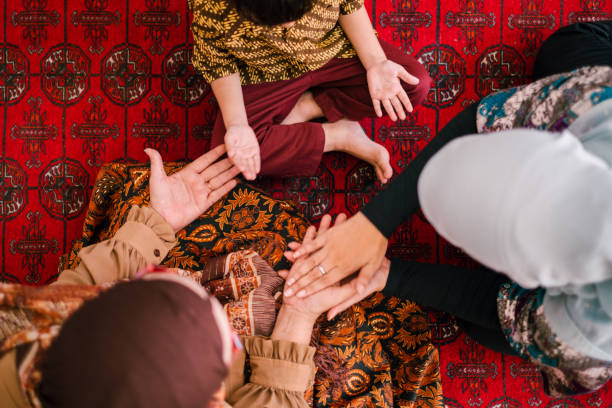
x,y
343,249
186,194
386,89
376,284
297,316
323,300
335,298
243,150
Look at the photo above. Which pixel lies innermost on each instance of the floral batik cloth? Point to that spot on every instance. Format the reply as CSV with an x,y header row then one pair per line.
x,y
552,104
564,371
30,318
378,353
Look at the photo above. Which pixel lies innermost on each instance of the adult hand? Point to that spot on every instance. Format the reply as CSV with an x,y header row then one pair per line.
x,y
183,196
297,316
334,255
376,284
385,88
243,150
336,298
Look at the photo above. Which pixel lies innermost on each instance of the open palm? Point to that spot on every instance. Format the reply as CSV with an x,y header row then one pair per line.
x,y
243,150
384,83
183,196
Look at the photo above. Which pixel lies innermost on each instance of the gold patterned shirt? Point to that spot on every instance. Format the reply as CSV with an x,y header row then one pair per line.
x,y
225,42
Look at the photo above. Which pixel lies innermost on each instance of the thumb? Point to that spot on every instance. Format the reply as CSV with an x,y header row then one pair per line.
x,y
336,310
349,300
361,282
406,77
157,165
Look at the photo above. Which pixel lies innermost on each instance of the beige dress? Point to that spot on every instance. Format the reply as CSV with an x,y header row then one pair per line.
x,y
281,371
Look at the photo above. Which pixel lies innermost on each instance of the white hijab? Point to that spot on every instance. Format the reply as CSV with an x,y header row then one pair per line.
x,y
534,205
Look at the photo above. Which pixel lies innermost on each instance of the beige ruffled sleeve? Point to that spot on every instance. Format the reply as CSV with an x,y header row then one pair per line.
x,y
145,238
11,394
281,372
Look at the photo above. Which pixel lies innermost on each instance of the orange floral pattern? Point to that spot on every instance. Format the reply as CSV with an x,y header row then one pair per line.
x,y
382,344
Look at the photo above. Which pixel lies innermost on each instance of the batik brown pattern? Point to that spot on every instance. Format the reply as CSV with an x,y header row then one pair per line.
x,y
244,219
381,345
386,349
30,318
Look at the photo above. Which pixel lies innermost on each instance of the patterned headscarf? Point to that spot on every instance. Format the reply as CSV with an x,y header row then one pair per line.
x,y
146,343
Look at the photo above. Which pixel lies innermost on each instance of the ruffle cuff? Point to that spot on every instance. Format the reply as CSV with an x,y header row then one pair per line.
x,y
280,364
148,233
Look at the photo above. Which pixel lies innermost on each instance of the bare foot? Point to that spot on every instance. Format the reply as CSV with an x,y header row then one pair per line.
x,y
305,109
348,136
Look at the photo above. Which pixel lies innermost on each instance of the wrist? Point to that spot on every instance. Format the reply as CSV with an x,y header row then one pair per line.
x,y
236,123
368,227
293,324
373,61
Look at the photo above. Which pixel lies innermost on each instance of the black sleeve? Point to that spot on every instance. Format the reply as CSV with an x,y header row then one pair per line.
x,y
469,294
399,200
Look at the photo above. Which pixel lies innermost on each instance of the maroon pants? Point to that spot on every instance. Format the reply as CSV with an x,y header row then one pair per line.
x,y
340,89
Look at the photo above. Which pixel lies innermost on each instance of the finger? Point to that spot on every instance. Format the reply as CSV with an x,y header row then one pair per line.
x,y
379,174
314,281
403,97
302,266
223,178
311,246
157,164
389,109
346,297
283,273
377,108
215,195
399,108
257,163
325,223
251,168
311,233
216,169
237,160
340,218
201,163
361,282
342,306
289,255
307,274
407,77
293,246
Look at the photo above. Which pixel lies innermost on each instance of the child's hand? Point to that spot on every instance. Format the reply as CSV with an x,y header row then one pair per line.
x,y
386,89
243,150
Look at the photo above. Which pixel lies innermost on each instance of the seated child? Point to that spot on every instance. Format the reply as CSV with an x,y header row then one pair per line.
x,y
275,65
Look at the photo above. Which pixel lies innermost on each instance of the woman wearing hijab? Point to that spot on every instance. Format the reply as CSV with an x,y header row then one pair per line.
x,y
159,340
531,204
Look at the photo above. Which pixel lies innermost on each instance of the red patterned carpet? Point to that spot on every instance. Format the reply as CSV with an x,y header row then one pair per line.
x,y
89,81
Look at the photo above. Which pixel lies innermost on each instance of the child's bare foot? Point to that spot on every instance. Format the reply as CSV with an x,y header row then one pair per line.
x,y
348,136
305,109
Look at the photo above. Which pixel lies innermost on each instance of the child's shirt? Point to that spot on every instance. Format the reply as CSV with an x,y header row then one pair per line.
x,y
226,43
